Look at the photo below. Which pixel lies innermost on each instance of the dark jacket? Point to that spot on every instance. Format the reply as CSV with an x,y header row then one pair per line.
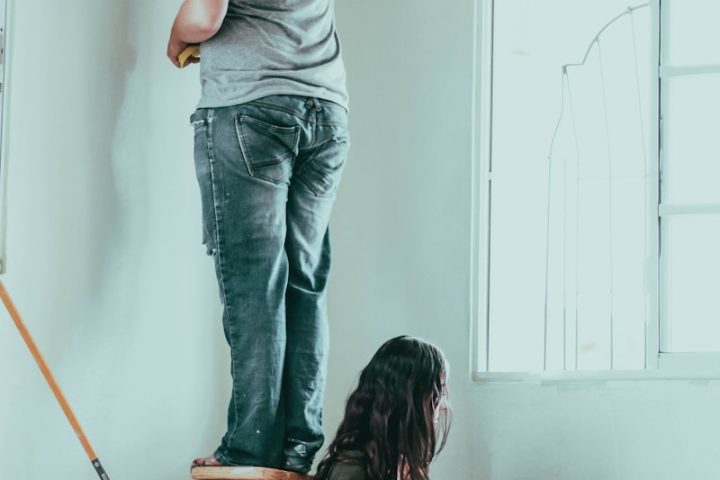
x,y
353,469
346,471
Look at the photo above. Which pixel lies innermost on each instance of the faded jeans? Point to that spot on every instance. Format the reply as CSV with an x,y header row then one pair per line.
x,y
268,171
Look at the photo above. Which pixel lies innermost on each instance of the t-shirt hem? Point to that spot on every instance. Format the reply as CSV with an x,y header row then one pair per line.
x,y
256,95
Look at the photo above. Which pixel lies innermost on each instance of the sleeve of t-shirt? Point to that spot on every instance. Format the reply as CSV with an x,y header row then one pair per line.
x,y
344,471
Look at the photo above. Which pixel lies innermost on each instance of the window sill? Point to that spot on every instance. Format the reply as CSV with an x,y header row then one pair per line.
x,y
550,378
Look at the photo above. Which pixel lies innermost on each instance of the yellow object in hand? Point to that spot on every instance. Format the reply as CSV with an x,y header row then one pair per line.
x,y
190,51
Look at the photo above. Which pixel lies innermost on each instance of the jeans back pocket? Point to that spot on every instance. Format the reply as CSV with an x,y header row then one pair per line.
x,y
268,150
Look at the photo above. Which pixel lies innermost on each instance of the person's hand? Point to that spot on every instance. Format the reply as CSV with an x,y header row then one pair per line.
x,y
175,48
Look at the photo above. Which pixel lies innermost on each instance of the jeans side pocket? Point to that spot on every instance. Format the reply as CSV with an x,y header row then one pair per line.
x,y
268,150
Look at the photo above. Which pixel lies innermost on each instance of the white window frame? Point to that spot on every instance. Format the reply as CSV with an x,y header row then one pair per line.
x,y
5,20
673,360
659,365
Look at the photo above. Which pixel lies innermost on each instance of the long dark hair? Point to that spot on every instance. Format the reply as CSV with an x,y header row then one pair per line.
x,y
397,419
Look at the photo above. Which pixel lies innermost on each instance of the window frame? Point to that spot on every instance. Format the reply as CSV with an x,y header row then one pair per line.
x,y
659,365
667,72
5,19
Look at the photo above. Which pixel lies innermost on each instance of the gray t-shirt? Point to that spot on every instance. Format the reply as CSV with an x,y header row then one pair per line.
x,y
273,47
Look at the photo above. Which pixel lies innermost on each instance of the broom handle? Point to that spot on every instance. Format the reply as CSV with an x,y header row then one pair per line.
x,y
51,382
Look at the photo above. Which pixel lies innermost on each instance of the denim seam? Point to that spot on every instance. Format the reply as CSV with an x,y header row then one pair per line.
x,y
243,147
294,113
324,174
208,143
312,165
301,169
219,256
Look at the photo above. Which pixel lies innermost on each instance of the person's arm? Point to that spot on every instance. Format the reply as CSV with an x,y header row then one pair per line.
x,y
197,21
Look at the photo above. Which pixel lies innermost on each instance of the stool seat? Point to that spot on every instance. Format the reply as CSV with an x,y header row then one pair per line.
x,y
244,473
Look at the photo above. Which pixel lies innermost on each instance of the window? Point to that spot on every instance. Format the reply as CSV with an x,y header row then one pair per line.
x,y
690,177
597,199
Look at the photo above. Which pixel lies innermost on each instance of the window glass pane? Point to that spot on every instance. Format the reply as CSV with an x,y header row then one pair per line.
x,y
593,285
691,282
691,125
517,278
690,32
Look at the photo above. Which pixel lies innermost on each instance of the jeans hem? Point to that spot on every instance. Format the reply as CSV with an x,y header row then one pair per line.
x,y
222,457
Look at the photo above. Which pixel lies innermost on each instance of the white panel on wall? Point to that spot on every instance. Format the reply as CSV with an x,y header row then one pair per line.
x,y
4,56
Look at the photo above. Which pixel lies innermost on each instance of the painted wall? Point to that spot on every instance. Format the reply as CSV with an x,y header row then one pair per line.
x,y
106,265
104,249
401,231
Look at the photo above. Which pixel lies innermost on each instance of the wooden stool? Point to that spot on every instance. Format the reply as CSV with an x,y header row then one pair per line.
x,y
244,473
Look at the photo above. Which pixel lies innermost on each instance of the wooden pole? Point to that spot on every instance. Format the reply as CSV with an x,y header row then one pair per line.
x,y
50,379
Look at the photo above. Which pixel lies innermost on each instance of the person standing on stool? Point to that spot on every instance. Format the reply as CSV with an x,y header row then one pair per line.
x,y
271,141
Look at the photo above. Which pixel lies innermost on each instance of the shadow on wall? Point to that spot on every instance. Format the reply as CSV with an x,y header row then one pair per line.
x,y
71,62
68,150
106,261
113,57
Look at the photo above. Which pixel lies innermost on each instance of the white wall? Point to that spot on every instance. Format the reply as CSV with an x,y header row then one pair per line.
x,y
106,265
104,253
402,230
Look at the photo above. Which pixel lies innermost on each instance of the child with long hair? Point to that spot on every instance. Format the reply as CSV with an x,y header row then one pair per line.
x,y
397,419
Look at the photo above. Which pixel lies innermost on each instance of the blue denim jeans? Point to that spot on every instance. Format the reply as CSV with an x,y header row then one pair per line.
x,y
268,171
